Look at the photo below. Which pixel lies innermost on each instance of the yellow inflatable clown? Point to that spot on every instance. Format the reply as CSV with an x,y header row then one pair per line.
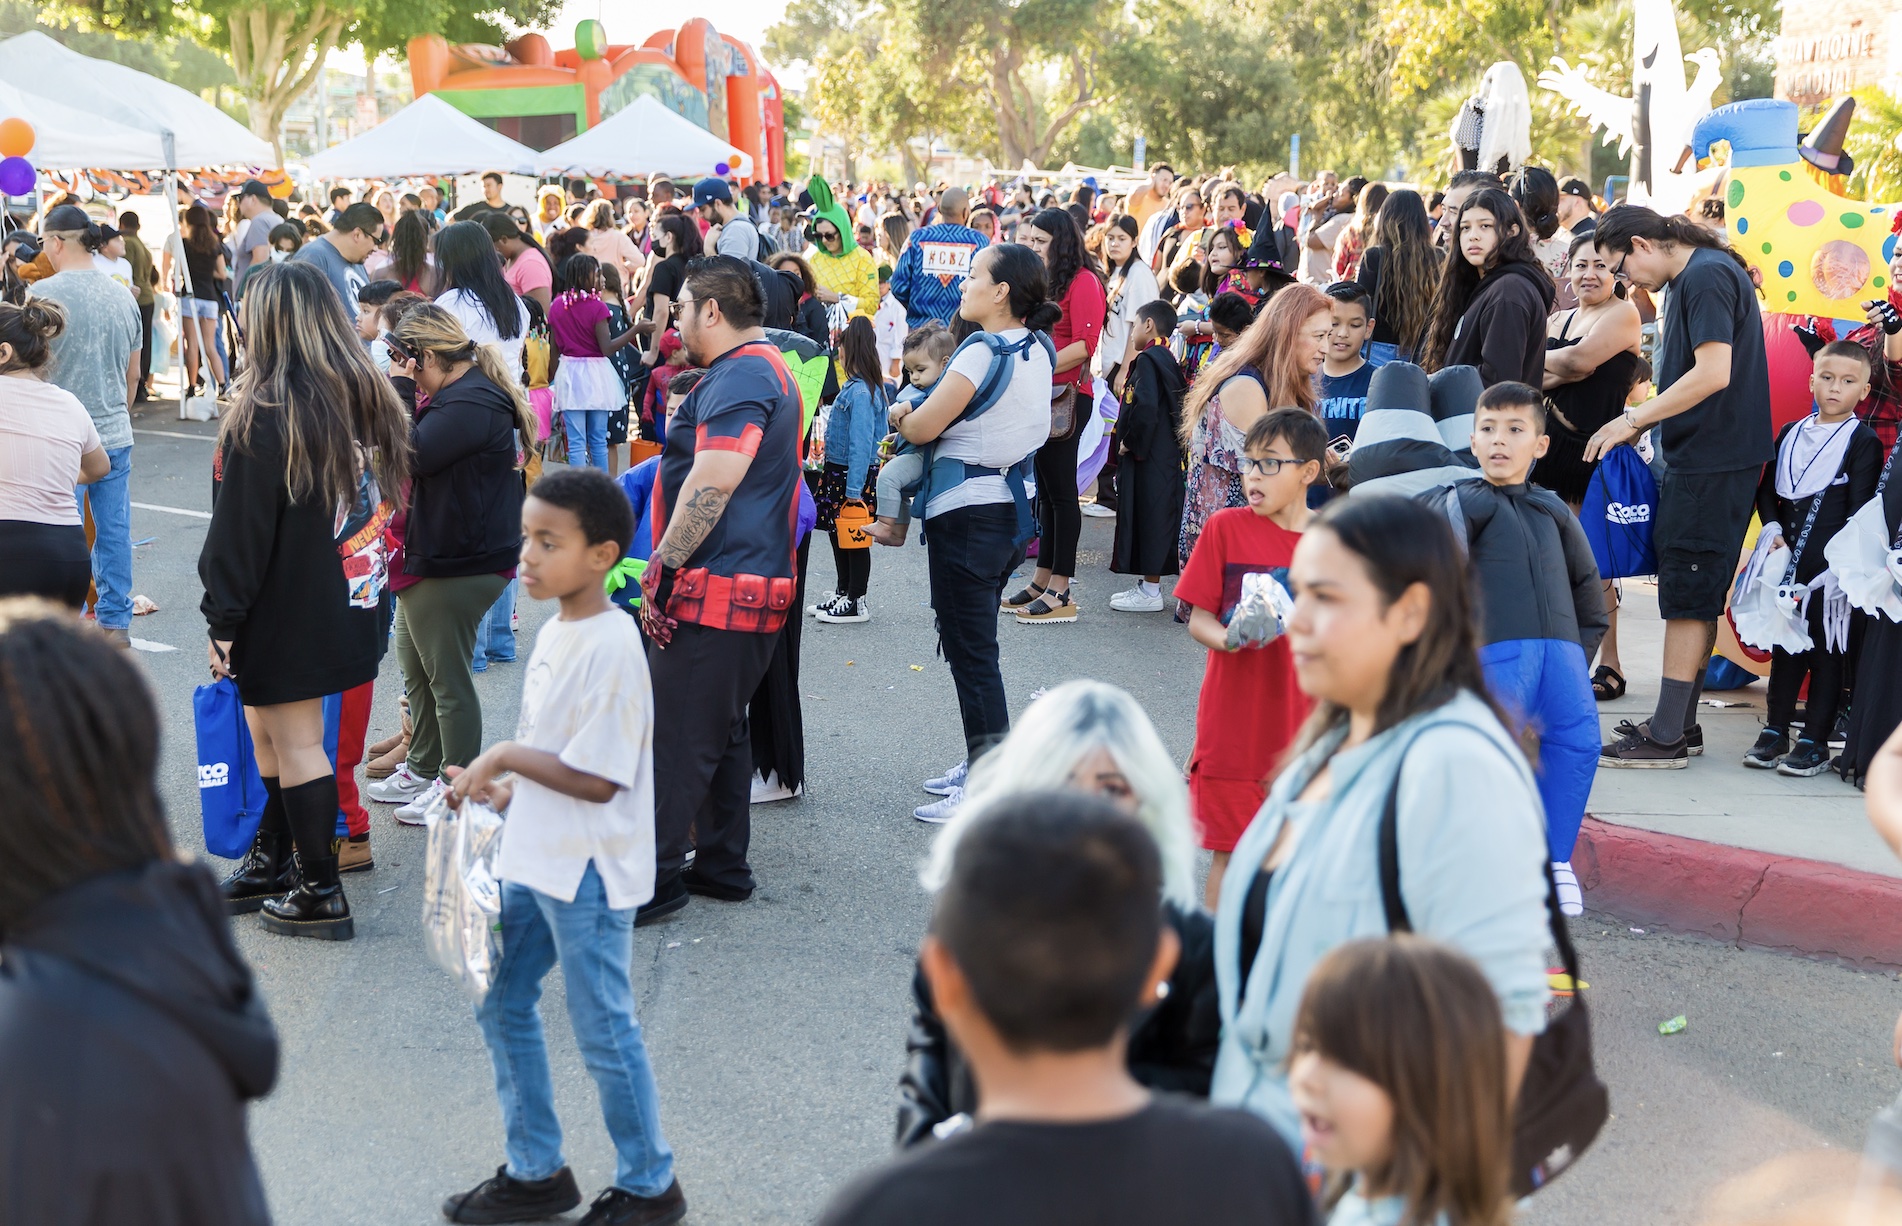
x,y
1818,253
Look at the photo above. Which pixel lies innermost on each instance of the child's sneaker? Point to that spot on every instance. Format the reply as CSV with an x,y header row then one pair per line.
x,y
1772,744
1808,758
1571,898
1135,600
938,812
950,781
827,603
843,610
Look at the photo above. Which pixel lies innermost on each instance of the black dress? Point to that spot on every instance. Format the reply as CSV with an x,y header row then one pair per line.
x,y
1575,411
1875,707
1150,479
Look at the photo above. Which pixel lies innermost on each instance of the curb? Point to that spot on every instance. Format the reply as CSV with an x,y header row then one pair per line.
x,y
1741,896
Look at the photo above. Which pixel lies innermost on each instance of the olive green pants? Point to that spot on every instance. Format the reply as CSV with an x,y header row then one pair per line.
x,y
436,621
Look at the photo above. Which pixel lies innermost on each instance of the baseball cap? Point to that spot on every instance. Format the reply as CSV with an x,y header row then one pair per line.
x,y
26,246
1575,187
252,187
709,190
65,219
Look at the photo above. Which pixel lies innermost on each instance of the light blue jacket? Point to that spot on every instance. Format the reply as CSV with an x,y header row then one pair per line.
x,y
856,423
1472,875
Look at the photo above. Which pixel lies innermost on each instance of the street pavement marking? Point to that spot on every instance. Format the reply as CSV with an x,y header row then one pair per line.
x,y
202,438
153,506
149,645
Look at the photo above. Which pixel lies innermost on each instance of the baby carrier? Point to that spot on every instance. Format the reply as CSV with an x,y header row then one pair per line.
x,y
945,474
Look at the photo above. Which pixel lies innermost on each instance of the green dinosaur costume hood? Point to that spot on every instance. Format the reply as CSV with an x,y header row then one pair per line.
x,y
831,210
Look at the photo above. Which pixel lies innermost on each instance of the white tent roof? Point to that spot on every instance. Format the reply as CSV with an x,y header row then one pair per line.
x,y
644,138
201,134
427,137
68,139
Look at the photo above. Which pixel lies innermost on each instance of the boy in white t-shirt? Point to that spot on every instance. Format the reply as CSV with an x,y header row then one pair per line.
x,y
889,325
577,858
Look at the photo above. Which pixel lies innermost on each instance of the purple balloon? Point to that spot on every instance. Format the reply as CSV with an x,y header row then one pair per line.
x,y
721,169
16,177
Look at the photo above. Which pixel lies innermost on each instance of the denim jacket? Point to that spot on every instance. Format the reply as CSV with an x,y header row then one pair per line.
x,y
856,423
1472,875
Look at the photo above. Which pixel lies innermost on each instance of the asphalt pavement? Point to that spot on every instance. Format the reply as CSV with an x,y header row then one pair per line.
x,y
777,1026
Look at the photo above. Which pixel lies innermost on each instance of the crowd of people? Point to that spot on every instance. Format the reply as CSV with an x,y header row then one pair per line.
x,y
1359,424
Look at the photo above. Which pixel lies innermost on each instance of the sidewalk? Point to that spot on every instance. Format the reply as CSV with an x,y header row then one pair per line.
x,y
1743,855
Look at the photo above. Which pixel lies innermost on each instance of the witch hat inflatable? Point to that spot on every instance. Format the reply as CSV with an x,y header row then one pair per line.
x,y
1823,147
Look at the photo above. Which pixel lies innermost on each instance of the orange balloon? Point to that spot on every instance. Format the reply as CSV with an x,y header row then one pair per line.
x,y
278,184
16,138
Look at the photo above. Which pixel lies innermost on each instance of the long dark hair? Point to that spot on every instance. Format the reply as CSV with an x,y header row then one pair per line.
x,y
685,234
1021,269
1067,255
1400,543
1409,267
1128,224
858,353
198,231
1459,280
1617,226
79,765
409,243
1537,194
467,260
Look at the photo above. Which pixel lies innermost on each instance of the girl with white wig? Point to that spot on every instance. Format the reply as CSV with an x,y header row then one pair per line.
x,y
1094,738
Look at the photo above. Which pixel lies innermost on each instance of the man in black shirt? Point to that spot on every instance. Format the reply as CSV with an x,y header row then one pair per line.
x,y
1047,937
1713,410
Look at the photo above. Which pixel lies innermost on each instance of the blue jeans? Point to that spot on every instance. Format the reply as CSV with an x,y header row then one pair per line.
x,y
495,634
1545,683
594,945
587,437
111,499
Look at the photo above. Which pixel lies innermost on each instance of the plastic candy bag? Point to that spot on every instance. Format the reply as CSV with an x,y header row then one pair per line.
x,y
462,900
1261,615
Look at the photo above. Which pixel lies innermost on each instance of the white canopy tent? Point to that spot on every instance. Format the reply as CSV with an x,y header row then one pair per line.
x,y
644,138
65,138
191,132
427,137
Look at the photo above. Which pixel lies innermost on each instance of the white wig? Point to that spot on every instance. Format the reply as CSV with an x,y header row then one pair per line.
x,y
1059,730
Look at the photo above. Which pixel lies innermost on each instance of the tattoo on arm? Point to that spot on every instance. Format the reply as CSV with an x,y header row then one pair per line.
x,y
693,519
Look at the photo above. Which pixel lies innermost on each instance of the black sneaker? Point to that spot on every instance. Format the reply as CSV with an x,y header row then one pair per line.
x,y
1639,752
503,1199
670,895
1839,735
1772,744
1693,735
1808,758
709,888
616,1207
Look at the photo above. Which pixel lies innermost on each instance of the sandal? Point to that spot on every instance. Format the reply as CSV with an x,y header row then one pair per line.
x,y
1031,591
1049,607
1608,684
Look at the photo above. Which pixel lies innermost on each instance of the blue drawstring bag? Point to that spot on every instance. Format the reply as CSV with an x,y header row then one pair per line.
x,y
230,791
1619,510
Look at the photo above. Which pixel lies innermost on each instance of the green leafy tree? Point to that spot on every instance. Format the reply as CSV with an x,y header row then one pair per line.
x,y
1874,134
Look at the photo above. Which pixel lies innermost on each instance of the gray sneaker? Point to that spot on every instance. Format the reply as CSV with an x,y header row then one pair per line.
x,y
938,812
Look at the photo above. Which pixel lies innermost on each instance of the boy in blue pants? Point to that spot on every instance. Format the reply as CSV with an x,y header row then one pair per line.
x,y
1542,611
577,858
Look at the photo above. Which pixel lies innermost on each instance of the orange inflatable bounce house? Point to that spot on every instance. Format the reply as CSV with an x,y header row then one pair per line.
x,y
532,93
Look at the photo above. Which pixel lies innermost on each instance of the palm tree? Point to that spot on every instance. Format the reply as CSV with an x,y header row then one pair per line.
x,y
1875,141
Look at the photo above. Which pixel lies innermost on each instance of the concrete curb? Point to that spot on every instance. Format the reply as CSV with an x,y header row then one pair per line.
x,y
1741,896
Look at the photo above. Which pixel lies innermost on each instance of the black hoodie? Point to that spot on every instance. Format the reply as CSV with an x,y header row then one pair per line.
x,y
131,1037
1503,329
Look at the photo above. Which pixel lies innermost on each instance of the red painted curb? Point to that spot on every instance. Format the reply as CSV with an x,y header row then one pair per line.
x,y
1739,895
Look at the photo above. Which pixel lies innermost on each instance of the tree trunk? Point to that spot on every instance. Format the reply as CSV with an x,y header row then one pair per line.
x,y
276,55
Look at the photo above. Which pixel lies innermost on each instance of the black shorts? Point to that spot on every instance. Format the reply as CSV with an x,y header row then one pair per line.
x,y
1702,521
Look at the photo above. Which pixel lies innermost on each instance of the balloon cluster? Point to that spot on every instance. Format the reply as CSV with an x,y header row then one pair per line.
x,y
16,173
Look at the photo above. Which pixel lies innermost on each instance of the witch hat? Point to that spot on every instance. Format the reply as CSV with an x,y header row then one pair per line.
x,y
1823,147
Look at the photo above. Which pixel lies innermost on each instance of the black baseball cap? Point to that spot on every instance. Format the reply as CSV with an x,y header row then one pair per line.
x,y
1576,187
65,219
253,187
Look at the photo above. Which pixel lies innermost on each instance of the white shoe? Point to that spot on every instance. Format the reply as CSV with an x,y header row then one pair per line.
x,y
1134,600
1571,898
845,611
938,812
411,814
1096,510
401,787
769,789
950,781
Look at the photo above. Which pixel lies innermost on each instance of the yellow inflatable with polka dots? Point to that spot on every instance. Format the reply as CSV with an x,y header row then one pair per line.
x,y
1818,253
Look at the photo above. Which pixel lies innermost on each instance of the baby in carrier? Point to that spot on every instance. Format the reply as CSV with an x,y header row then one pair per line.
x,y
927,351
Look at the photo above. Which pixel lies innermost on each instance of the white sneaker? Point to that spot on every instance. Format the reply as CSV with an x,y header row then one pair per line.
x,y
401,787
950,781
1135,600
1096,510
769,789
845,610
1571,898
938,812
411,814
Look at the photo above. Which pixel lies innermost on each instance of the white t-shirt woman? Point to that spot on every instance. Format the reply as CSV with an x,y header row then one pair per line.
x,y
476,321
1011,429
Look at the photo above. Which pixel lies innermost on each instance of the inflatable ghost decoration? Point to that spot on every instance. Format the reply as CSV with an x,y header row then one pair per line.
x,y
1493,129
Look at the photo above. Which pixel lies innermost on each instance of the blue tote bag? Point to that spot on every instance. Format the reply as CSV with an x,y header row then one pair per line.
x,y
1619,509
230,791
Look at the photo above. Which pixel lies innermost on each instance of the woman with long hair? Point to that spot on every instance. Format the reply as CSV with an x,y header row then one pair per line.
x,y
294,571
1401,269
204,257
525,266
1272,366
676,241
1494,295
1077,288
128,1017
1384,642
853,427
461,534
894,229
1132,286
411,264
1088,737
473,288
608,243
975,528
1536,192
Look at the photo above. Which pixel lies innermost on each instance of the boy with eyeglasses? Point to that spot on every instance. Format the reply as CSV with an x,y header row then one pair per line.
x,y
1251,707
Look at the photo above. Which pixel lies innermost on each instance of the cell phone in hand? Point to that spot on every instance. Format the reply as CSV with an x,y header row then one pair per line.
x,y
398,350
1340,446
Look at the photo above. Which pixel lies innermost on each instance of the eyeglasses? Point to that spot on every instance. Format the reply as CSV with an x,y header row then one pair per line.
x,y
1267,466
675,308
1618,269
